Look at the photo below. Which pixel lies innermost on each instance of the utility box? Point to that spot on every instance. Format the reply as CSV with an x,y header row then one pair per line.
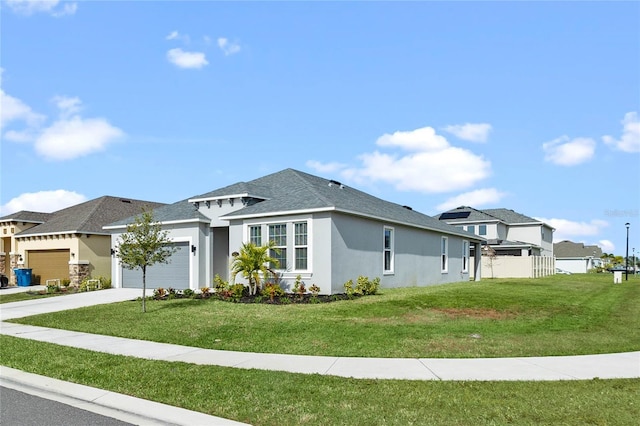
x,y
617,277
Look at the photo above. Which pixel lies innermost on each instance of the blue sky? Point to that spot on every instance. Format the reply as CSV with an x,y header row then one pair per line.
x,y
531,106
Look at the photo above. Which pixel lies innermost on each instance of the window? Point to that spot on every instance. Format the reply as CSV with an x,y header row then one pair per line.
x,y
444,262
482,230
278,234
465,256
388,250
255,234
471,228
300,245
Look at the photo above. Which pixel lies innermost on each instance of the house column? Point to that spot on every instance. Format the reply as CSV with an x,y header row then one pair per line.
x,y
78,271
477,262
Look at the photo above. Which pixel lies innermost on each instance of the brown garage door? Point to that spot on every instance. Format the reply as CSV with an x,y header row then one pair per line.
x,y
48,264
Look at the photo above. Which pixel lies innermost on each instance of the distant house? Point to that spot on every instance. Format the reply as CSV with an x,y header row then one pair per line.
x,y
68,244
327,232
508,233
577,258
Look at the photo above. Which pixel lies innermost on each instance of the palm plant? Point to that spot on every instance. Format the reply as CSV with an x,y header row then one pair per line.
x,y
254,263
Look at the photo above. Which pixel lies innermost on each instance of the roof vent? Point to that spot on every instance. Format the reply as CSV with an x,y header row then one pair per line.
x,y
407,207
125,201
336,183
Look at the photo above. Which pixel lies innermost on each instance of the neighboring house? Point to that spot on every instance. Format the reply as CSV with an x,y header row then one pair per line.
x,y
68,244
10,226
327,233
509,233
576,257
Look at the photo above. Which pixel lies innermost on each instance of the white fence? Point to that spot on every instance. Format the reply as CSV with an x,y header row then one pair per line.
x,y
517,266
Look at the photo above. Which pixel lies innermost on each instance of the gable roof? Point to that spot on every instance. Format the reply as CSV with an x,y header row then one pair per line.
x,y
89,217
26,216
507,216
570,249
292,191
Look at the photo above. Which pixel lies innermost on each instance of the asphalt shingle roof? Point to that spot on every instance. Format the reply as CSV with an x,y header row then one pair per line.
x,y
89,217
179,211
291,190
26,216
507,216
571,249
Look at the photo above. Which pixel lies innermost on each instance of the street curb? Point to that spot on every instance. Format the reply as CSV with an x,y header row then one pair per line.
x,y
122,407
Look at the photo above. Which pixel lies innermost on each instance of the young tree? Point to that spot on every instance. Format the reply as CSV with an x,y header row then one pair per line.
x,y
254,263
144,244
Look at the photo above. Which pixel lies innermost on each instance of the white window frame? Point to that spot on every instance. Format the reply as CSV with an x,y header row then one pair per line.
x,y
444,255
481,227
297,245
465,256
281,267
390,250
471,228
250,237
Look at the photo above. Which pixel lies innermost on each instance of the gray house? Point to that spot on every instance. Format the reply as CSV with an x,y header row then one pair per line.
x,y
327,233
577,258
509,233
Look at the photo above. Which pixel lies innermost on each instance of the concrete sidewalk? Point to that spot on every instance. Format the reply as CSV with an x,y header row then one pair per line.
x,y
583,367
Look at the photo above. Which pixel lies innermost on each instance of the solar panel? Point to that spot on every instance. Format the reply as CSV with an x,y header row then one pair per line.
x,y
454,215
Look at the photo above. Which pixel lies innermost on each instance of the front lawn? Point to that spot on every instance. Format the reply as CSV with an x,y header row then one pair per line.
x,y
263,398
558,315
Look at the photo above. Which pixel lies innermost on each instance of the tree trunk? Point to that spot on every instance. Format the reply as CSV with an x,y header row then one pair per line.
x,y
144,288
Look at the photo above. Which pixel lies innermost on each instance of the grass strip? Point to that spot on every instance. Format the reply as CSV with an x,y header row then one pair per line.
x,y
276,398
558,315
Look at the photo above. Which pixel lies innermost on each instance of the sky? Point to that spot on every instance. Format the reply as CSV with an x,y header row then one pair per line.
x,y
530,106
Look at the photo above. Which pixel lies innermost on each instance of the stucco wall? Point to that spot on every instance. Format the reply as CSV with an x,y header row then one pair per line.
x,y
194,234
357,249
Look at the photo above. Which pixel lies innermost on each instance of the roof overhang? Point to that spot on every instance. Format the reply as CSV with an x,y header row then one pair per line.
x,y
462,234
226,197
168,222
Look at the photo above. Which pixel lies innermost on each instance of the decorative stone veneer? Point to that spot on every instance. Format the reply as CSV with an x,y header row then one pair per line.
x,y
3,263
78,271
13,264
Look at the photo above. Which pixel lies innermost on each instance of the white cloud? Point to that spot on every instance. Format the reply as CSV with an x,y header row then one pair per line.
x,y
473,132
175,35
67,106
423,139
75,137
325,167
184,59
13,109
568,229
477,198
30,7
43,201
229,48
433,166
606,246
564,151
630,140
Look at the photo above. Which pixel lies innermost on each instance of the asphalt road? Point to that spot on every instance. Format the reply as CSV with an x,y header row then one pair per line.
x,y
22,409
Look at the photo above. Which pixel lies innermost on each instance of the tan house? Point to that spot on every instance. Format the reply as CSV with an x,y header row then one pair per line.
x,y
69,244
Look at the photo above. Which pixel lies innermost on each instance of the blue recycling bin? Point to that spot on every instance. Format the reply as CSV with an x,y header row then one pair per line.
x,y
23,277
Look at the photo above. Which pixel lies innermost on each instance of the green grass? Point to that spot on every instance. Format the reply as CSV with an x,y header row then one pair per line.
x,y
275,398
18,297
558,315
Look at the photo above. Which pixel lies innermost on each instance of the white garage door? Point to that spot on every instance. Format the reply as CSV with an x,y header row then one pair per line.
x,y
175,274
